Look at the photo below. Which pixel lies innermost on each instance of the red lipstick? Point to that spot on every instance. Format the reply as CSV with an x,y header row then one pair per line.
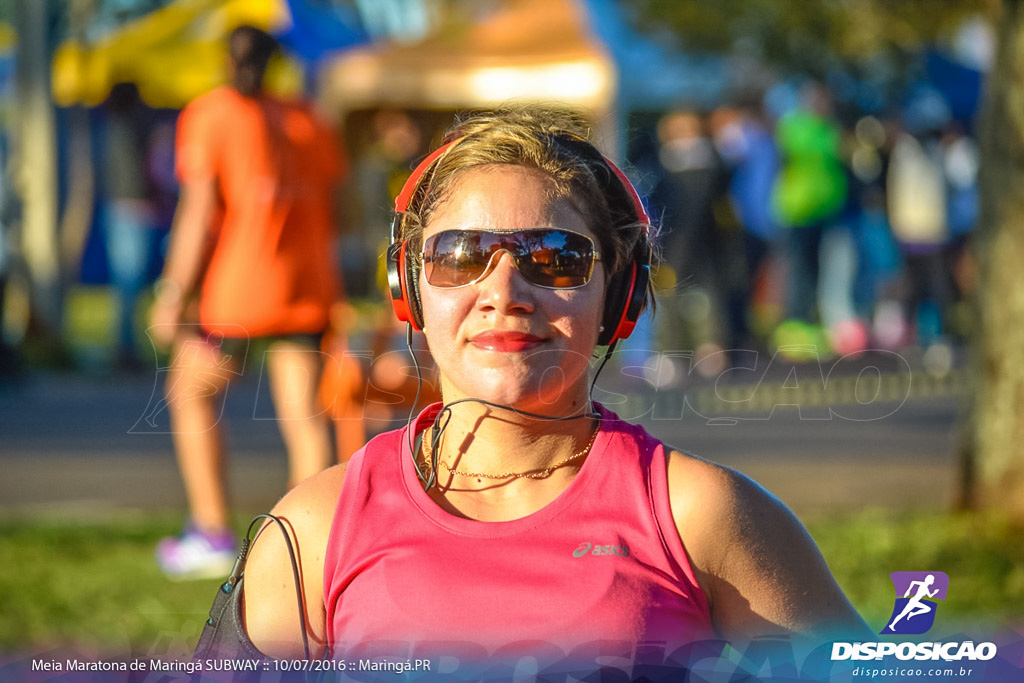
x,y
506,341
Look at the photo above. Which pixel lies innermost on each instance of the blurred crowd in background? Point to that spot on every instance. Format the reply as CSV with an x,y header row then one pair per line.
x,y
785,227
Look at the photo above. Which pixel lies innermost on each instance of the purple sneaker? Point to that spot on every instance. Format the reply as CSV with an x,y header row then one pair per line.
x,y
197,555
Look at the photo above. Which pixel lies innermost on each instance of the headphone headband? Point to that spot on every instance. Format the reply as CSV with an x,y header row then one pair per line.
x,y
634,196
413,182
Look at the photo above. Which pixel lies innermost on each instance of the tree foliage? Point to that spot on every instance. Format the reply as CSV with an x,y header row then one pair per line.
x,y
806,35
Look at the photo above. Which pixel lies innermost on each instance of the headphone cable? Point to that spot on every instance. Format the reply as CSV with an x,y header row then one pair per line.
x,y
429,478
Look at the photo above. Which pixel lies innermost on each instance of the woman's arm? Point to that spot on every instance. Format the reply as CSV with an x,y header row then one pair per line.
x,y
270,606
186,258
760,569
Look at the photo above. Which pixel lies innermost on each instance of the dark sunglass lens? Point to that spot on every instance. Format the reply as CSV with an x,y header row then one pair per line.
x,y
556,258
453,258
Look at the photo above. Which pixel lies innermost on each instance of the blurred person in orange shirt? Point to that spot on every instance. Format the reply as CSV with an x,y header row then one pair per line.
x,y
251,257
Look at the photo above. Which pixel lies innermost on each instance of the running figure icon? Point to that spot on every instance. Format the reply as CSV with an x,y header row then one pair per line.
x,y
917,595
916,605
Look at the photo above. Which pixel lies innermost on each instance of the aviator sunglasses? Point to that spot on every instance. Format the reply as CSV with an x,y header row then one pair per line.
x,y
547,257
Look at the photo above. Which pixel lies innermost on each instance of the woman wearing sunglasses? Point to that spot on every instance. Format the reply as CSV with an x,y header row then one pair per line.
x,y
520,521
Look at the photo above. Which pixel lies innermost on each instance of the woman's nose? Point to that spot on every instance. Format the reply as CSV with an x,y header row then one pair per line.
x,y
503,287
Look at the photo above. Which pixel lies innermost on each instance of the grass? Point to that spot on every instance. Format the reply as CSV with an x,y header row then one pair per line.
x,y
92,586
982,553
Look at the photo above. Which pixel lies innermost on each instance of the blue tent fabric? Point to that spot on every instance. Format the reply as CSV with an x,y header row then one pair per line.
x,y
318,28
681,77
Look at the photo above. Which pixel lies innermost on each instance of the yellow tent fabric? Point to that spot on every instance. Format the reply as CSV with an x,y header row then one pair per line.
x,y
173,54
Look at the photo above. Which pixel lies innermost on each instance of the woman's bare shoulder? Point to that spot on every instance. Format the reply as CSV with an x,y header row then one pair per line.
x,y
306,513
760,568
702,490
723,514
709,500
314,498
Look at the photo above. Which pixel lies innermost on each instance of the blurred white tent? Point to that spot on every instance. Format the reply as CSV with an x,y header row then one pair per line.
x,y
575,53
527,49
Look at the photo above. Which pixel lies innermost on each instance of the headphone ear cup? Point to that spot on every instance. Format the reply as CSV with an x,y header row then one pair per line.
x,y
403,285
624,303
403,276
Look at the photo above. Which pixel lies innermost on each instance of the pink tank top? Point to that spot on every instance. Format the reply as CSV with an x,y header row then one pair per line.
x,y
597,577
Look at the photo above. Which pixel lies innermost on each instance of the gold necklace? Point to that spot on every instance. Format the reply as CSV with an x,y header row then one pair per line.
x,y
528,474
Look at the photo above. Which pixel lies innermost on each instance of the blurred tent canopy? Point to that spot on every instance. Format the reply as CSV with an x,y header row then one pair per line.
x,y
178,52
540,49
573,53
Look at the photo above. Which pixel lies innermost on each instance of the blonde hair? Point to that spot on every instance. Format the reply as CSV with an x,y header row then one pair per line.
x,y
552,141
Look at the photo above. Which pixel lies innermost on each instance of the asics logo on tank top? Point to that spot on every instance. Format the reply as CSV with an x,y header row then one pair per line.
x,y
587,548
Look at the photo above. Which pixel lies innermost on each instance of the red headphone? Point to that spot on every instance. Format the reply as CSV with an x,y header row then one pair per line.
x,y
627,289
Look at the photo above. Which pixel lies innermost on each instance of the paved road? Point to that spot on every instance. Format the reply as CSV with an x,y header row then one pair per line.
x,y
76,446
